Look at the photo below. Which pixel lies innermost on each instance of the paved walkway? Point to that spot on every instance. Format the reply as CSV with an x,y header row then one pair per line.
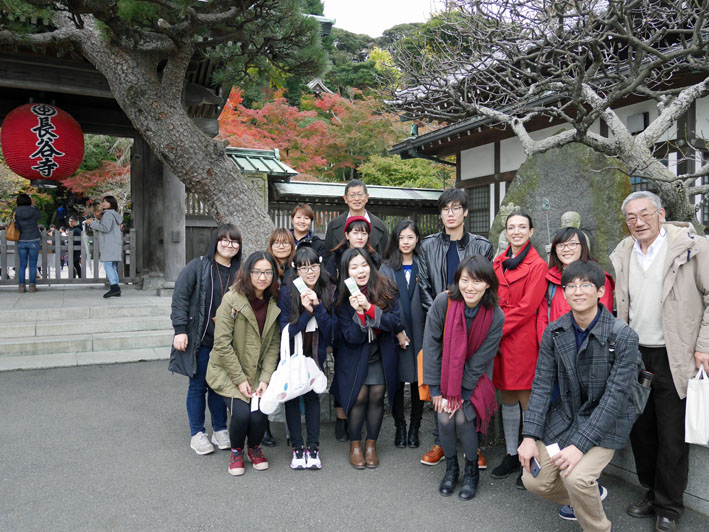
x,y
106,448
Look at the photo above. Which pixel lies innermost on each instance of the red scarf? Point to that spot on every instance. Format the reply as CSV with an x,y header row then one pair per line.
x,y
457,352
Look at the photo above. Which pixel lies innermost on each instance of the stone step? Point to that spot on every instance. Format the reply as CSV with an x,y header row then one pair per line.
x,y
88,312
58,360
78,343
95,325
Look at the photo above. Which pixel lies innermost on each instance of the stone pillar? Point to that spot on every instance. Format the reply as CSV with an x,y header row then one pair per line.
x,y
159,218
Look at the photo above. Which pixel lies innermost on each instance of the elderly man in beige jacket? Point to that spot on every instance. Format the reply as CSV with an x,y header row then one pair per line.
x,y
662,292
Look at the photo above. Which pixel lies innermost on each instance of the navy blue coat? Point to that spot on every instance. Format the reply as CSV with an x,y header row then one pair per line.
x,y
324,319
352,360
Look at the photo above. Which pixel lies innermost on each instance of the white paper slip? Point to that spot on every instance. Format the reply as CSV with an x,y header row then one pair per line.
x,y
254,403
553,449
300,285
352,286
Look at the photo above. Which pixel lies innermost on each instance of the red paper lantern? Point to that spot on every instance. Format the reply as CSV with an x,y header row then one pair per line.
x,y
41,142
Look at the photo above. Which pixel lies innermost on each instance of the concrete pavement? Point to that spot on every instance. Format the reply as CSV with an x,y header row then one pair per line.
x,y
107,448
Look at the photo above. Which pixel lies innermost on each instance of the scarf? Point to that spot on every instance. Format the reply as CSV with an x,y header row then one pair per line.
x,y
456,353
511,264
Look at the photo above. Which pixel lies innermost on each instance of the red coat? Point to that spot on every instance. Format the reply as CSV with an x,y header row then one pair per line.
x,y
559,306
521,292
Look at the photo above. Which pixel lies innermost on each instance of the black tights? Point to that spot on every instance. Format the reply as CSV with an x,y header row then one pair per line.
x,y
369,404
245,424
416,404
447,428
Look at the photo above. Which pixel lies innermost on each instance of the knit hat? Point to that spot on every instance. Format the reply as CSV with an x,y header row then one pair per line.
x,y
353,219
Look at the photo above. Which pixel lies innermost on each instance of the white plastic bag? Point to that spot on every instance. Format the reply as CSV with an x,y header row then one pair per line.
x,y
295,375
696,421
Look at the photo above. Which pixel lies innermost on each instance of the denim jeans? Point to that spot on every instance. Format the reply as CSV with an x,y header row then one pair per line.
x,y
28,250
312,420
196,390
111,268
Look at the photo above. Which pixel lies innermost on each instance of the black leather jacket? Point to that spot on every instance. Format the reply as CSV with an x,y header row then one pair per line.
x,y
433,267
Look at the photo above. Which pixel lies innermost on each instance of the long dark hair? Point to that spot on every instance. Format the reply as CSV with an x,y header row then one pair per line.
x,y
112,202
381,291
392,255
564,235
478,268
243,278
361,226
280,235
306,256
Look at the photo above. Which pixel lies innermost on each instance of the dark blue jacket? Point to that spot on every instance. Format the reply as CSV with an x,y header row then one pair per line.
x,y
26,218
324,319
595,407
352,359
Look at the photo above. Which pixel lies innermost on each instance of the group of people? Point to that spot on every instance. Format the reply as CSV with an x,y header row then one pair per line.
x,y
106,223
442,315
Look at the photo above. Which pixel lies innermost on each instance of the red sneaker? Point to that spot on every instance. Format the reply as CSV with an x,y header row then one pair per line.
x,y
257,458
236,463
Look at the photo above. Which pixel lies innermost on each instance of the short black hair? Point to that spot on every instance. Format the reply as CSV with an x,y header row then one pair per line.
x,y
477,267
453,195
564,235
355,183
584,271
23,199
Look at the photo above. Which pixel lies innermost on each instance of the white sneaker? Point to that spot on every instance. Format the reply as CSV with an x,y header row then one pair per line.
x,y
312,458
221,439
298,461
200,444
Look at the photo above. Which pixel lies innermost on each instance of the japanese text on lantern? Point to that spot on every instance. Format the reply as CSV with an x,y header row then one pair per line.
x,y
45,140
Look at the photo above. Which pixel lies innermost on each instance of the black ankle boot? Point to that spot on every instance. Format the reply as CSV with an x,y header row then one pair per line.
x,y
414,433
471,476
114,291
400,437
450,479
268,440
341,429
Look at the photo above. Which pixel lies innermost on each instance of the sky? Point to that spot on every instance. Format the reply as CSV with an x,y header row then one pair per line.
x,y
372,17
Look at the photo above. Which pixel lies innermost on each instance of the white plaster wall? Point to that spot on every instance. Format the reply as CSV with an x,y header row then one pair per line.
x,y
511,153
703,117
477,162
645,107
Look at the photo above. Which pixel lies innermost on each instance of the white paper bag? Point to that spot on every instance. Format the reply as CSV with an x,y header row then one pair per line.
x,y
696,421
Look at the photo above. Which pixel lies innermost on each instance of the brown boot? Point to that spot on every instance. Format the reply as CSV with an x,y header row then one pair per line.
x,y
21,289
33,288
356,458
370,454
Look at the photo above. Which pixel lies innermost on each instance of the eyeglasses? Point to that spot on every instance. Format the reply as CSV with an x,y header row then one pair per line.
x,y
452,210
585,287
229,243
567,245
308,269
258,273
645,217
281,244
356,195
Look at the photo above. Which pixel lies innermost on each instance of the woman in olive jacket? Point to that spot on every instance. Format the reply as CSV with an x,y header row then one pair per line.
x,y
245,354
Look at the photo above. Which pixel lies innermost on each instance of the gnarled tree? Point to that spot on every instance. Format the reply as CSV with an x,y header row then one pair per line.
x,y
144,48
571,62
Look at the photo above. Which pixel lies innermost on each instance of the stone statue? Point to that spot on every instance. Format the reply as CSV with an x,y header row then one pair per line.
x,y
571,219
502,243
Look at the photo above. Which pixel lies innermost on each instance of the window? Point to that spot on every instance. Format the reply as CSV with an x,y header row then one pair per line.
x,y
479,210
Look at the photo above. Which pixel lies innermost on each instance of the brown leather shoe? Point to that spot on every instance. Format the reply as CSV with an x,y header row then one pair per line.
x,y
482,463
356,458
21,289
370,454
665,524
33,288
641,509
433,456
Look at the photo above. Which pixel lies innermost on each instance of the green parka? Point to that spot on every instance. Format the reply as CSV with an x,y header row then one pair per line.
x,y
240,353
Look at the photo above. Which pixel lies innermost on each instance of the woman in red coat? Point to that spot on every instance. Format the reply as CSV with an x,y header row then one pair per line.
x,y
568,245
521,273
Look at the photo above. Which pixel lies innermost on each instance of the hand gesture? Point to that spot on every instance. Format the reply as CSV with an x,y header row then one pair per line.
x,y
354,301
261,388
245,388
313,297
567,459
362,301
180,342
307,301
526,451
403,339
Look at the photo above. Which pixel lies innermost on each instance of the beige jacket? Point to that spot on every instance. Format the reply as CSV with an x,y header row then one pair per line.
x,y
685,297
240,352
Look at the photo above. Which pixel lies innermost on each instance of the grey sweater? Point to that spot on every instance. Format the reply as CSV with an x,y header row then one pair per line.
x,y
110,238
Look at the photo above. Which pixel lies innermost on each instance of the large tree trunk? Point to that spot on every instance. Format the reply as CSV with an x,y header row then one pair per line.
x,y
154,107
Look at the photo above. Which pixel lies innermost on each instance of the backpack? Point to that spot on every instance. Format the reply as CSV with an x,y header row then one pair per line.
x,y
639,394
551,290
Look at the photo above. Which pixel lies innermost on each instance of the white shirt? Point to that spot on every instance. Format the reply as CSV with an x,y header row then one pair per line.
x,y
645,259
366,215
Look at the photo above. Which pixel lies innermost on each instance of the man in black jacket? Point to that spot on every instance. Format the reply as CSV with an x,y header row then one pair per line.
x,y
439,257
75,231
356,198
